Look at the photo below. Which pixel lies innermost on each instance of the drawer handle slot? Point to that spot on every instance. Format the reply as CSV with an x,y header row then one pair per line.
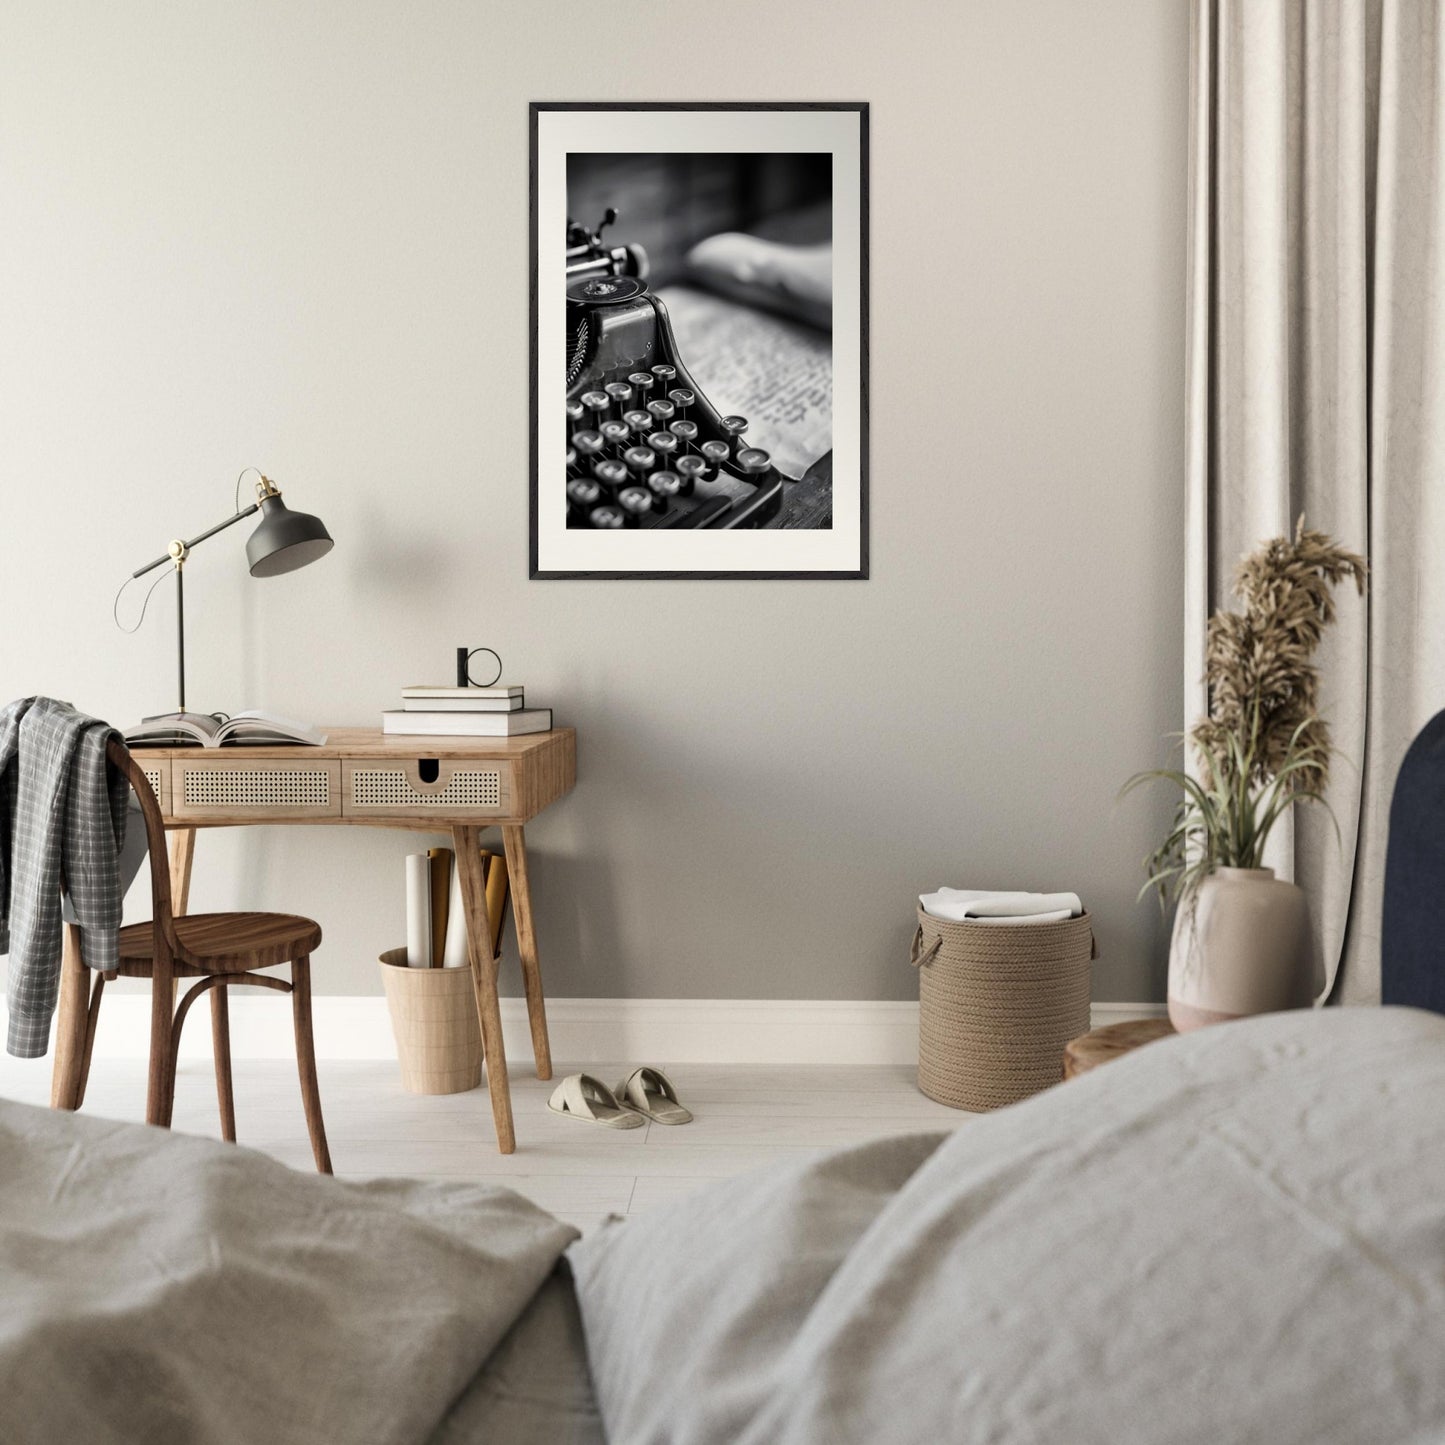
x,y
428,769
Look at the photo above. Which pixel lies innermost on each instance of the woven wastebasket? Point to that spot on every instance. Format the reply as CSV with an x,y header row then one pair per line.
x,y
997,1004
434,1018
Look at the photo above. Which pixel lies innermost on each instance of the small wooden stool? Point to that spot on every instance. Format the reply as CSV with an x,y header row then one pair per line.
x,y
1111,1042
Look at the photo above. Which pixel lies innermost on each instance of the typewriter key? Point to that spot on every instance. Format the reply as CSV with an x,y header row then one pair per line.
x,y
582,496
575,411
606,517
664,374
685,432
664,486
588,443
615,434
610,473
640,460
636,502
690,471
753,462
597,402
662,412
714,454
620,393
734,426
682,398
663,443
571,459
642,384
639,422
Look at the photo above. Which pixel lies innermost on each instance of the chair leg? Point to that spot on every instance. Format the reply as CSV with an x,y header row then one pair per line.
x,y
221,1049
92,1018
306,1060
161,1080
70,1024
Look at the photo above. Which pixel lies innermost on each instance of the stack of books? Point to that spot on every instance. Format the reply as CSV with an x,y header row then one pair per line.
x,y
471,712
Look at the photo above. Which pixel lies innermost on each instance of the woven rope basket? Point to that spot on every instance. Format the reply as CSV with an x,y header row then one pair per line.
x,y
997,1004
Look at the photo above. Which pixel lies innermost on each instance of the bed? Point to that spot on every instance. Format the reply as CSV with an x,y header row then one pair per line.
x,y
1234,1235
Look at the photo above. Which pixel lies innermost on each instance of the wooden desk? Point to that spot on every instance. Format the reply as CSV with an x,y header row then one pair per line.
x,y
361,778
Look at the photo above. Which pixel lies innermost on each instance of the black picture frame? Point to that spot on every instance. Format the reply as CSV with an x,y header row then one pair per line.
x,y
858,573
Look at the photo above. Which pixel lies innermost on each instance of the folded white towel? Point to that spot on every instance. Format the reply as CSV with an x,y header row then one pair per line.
x,y
983,906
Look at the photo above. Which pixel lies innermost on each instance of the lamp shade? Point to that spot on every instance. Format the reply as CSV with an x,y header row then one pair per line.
x,y
285,540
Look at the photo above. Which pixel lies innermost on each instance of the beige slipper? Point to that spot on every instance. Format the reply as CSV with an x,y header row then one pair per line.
x,y
650,1092
580,1096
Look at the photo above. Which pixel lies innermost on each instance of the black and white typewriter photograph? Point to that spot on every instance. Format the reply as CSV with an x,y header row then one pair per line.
x,y
699,409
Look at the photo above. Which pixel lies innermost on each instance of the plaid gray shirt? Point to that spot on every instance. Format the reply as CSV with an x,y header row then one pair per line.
x,y
61,810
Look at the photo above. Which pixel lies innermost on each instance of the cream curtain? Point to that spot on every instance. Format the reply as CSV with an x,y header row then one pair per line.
x,y
1316,384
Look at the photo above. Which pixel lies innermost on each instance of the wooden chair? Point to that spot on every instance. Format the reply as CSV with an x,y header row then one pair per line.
x,y
218,949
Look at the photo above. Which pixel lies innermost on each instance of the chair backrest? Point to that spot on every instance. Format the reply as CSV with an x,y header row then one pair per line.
x,y
1412,933
162,916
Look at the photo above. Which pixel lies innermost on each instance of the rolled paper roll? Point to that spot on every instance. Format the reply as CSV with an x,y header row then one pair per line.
x,y
636,502
663,443
610,473
639,459
607,518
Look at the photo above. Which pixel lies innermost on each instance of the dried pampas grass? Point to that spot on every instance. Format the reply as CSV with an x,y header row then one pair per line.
x,y
1264,745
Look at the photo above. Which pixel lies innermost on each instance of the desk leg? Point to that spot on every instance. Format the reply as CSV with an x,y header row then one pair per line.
x,y
515,843
468,845
183,852
70,1024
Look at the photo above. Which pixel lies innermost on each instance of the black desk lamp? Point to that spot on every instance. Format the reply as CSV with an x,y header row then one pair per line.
x,y
284,541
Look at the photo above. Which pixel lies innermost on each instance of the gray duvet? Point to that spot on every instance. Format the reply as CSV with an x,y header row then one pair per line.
x,y
1235,1236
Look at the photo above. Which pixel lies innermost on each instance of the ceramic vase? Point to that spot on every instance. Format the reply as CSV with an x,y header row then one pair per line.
x,y
1241,945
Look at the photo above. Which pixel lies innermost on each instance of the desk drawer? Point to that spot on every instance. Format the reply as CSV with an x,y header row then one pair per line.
x,y
239,787
376,788
158,775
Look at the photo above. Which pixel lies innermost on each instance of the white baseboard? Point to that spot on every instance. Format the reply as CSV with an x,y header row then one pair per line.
x,y
611,1030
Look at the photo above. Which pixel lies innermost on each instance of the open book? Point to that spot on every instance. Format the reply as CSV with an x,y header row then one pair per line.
x,y
216,730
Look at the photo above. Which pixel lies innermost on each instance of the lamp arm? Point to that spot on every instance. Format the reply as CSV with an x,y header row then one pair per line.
x,y
186,546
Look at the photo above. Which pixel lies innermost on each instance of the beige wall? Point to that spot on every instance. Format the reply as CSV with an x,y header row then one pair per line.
x,y
296,235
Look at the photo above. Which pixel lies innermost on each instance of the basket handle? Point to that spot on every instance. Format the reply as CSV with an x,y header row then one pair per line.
x,y
919,956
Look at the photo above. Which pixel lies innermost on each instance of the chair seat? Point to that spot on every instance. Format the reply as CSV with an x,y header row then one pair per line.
x,y
229,942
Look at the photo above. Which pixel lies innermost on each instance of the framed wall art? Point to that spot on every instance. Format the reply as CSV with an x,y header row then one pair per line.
x,y
699,340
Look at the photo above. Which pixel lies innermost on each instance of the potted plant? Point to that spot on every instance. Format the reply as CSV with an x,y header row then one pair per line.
x,y
1240,943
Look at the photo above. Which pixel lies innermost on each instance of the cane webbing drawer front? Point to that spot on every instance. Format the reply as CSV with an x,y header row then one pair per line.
x,y
158,774
378,787
235,786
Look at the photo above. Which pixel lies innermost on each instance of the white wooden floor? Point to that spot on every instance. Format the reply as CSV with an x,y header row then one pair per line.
x,y
746,1117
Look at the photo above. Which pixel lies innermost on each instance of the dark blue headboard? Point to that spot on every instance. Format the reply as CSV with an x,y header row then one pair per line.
x,y
1412,938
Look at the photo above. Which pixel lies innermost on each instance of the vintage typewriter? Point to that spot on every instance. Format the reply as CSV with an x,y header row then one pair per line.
x,y
645,447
